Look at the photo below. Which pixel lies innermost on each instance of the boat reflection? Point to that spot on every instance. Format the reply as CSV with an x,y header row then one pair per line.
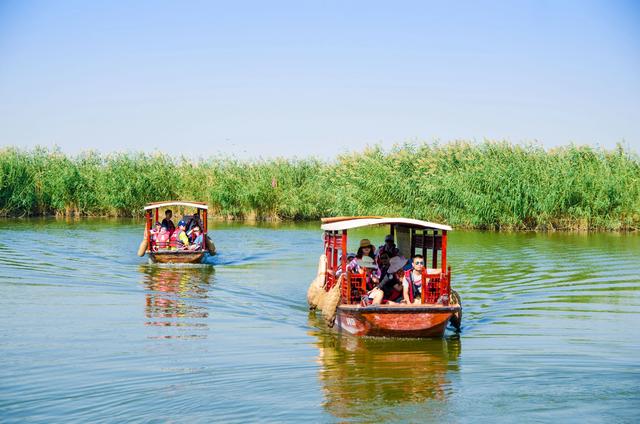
x,y
360,375
176,297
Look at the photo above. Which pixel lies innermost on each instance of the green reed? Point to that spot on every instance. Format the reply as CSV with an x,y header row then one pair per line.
x,y
492,185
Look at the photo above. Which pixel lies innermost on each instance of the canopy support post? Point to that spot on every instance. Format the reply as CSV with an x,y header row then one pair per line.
x,y
444,251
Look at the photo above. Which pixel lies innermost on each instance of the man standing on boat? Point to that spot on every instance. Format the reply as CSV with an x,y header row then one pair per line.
x,y
167,222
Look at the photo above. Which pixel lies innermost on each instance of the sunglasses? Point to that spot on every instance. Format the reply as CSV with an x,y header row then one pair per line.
x,y
418,263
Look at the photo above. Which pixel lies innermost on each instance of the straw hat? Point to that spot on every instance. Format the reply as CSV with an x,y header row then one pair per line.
x,y
396,264
366,243
366,262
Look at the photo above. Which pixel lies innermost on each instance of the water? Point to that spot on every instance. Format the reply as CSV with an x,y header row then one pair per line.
x,y
89,332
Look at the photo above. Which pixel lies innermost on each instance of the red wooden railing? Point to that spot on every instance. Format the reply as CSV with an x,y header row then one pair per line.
x,y
353,288
438,287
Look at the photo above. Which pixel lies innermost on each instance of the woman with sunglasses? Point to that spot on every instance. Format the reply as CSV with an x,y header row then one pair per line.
x,y
412,283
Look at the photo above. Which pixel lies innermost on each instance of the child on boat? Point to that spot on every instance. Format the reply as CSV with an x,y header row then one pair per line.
x,y
155,231
162,239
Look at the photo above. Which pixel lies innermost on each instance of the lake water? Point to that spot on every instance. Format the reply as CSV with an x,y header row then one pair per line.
x,y
90,332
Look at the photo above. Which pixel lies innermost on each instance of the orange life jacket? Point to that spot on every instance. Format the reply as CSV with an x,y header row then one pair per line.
x,y
162,240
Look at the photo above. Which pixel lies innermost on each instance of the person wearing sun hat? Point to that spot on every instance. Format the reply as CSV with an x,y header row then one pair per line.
x,y
365,249
390,287
367,266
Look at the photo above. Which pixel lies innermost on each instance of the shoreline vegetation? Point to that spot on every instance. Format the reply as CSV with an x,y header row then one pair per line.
x,y
490,185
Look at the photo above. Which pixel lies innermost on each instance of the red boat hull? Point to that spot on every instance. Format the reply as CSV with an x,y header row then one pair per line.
x,y
415,321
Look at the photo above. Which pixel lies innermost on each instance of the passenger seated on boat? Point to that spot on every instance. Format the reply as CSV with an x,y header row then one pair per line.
x,y
412,282
350,257
369,268
179,239
155,231
192,221
161,240
390,290
383,265
168,222
365,249
198,241
389,248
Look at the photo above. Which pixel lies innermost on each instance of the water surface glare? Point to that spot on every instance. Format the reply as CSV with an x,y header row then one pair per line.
x,y
90,332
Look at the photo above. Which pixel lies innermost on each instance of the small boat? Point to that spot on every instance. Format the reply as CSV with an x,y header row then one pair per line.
x,y
156,255
339,292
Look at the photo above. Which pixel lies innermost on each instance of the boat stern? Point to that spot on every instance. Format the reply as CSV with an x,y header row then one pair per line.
x,y
395,320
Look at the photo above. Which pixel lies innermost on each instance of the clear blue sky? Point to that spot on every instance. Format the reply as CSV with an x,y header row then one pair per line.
x,y
316,78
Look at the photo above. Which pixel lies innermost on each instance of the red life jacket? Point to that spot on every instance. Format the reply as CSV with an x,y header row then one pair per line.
x,y
413,288
162,240
174,240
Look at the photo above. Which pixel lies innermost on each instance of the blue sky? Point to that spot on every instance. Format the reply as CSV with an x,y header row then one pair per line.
x,y
316,78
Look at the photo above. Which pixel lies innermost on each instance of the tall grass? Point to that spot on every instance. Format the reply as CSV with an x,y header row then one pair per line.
x,y
490,185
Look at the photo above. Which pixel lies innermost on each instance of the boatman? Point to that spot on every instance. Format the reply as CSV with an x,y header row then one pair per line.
x,y
167,221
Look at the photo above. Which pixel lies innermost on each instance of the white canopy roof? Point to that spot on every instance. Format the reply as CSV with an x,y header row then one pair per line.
x,y
347,224
198,205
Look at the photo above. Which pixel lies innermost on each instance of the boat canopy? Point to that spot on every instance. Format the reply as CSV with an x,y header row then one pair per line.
x,y
197,205
331,224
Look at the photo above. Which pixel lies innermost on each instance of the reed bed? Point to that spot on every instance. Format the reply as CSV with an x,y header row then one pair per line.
x,y
492,185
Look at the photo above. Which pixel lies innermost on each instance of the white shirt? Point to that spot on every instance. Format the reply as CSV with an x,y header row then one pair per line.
x,y
417,281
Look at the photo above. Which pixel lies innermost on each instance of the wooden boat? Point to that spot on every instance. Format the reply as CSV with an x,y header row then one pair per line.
x,y
152,213
438,304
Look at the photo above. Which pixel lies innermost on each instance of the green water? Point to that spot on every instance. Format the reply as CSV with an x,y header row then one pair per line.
x,y
91,333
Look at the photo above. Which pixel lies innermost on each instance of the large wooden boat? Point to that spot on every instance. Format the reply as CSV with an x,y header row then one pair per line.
x,y
157,255
438,304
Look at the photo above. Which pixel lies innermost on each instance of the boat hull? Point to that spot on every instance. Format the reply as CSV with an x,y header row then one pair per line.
x,y
177,257
416,321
